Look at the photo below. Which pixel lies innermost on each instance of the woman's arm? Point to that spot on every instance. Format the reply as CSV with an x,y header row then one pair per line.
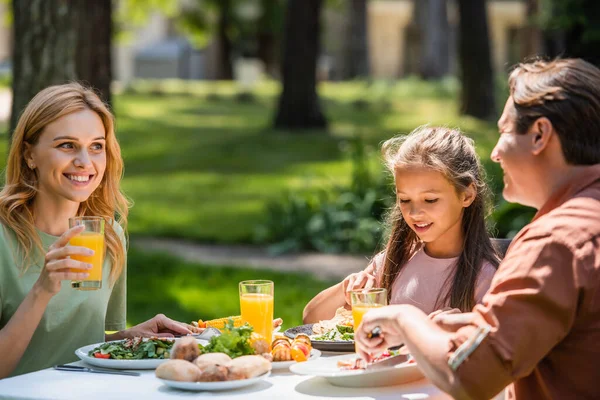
x,y
159,326
17,333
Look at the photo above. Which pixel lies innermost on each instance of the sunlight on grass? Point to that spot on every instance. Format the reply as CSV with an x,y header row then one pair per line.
x,y
158,283
201,164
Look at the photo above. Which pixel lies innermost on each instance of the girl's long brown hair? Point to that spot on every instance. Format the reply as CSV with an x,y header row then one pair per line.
x,y
16,198
452,154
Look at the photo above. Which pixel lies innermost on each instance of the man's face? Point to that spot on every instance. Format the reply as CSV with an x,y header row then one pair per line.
x,y
513,152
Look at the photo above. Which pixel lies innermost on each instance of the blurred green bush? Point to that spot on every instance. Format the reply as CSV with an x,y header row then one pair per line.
x,y
332,220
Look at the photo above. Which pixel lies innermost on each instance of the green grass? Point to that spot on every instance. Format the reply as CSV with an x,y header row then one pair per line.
x,y
5,81
202,165
158,283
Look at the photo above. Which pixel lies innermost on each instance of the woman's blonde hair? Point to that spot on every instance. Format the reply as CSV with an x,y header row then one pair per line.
x,y
16,198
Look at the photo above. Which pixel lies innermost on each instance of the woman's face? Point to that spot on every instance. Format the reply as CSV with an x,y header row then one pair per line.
x,y
431,206
70,156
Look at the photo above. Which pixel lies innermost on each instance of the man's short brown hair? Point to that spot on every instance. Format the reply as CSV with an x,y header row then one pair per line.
x,y
567,92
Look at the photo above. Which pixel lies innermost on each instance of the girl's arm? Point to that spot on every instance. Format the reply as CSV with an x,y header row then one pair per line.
x,y
324,305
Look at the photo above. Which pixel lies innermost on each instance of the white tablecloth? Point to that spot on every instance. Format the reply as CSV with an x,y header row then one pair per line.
x,y
53,384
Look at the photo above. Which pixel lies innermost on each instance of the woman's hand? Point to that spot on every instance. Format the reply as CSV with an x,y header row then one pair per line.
x,y
357,281
391,334
160,326
58,266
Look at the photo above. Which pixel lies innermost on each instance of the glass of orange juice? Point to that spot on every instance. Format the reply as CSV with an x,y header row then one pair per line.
x,y
92,237
363,300
256,305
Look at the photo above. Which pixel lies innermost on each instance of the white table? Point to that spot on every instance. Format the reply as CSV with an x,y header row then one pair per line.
x,y
52,384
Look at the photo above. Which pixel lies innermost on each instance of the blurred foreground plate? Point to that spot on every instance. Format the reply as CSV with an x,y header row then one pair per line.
x,y
327,368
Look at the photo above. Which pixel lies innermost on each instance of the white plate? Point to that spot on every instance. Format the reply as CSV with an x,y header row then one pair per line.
x,y
225,385
277,365
327,368
82,353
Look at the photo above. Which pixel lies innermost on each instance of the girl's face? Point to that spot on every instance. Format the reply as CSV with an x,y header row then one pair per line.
x,y
70,157
432,208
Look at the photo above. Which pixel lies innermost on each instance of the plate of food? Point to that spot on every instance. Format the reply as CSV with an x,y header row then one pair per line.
x,y
134,353
213,371
350,371
336,334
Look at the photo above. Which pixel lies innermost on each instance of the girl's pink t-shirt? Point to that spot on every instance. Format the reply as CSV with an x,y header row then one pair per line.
x,y
422,278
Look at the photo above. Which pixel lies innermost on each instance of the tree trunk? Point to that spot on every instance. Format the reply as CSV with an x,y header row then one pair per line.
x,y
269,32
45,40
431,17
531,34
299,106
477,97
224,46
58,41
357,54
93,57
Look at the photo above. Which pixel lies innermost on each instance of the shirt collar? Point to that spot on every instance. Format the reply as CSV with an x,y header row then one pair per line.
x,y
583,178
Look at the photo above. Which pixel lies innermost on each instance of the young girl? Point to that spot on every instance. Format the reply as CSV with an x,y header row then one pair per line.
x,y
439,253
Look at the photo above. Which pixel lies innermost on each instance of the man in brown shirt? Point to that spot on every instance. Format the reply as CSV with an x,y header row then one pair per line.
x,y
538,329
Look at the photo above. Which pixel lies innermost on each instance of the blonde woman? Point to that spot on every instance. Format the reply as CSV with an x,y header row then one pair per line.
x,y
64,161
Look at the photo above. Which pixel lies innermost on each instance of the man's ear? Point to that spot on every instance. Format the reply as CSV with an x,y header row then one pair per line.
x,y
469,195
541,134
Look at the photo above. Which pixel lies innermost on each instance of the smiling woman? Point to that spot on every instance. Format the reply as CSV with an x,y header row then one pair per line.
x,y
64,162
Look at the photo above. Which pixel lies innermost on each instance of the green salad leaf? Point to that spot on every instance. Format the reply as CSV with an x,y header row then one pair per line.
x,y
234,342
340,333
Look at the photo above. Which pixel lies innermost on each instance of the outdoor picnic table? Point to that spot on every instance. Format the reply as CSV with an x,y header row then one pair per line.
x,y
53,384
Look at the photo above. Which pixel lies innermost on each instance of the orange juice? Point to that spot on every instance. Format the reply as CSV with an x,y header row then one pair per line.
x,y
93,241
359,310
257,310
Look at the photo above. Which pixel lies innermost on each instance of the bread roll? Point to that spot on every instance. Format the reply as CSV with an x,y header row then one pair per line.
x,y
214,373
249,366
185,348
178,370
210,359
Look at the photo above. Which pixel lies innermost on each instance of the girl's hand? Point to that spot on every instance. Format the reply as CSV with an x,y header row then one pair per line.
x,y
387,319
58,267
359,280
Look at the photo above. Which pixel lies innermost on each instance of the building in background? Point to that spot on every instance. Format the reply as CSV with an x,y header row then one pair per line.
x,y
157,50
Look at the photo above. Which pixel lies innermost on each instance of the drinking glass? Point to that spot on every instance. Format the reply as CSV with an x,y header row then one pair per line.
x,y
92,237
256,305
363,300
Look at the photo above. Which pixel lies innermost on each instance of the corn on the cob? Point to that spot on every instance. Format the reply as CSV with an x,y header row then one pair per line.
x,y
219,323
